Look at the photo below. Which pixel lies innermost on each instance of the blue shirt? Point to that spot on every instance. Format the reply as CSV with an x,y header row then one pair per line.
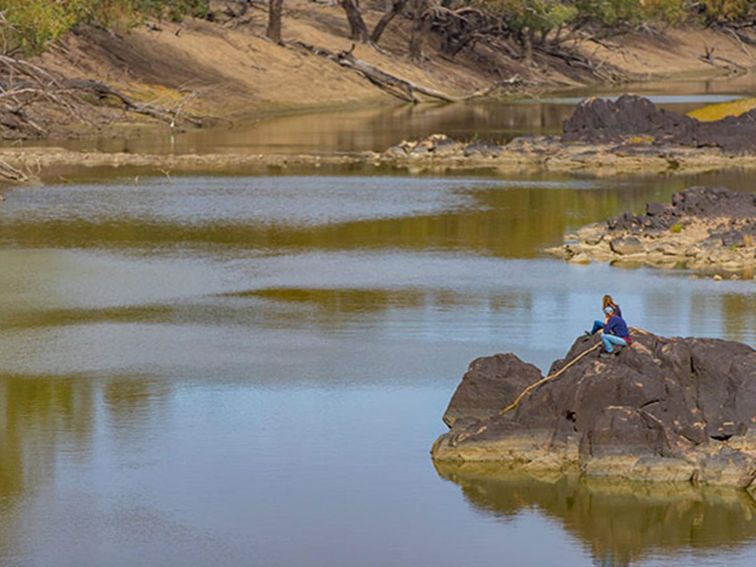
x,y
616,326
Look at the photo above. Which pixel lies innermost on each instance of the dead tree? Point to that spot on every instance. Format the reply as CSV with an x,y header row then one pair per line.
x,y
396,7
358,31
274,20
420,26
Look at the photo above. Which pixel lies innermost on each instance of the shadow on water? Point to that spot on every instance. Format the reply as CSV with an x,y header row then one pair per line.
x,y
620,522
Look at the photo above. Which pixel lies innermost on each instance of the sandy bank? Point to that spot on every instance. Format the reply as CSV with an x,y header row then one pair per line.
x,y
226,69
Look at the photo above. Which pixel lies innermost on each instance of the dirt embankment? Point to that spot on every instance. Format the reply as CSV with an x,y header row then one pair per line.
x,y
227,69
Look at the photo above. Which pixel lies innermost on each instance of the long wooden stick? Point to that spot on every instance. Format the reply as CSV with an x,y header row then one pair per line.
x,y
535,385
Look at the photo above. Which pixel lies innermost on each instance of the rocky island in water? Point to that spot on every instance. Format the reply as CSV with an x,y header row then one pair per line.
x,y
664,409
706,229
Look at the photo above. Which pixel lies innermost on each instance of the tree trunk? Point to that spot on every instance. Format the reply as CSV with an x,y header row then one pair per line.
x,y
391,12
357,29
418,30
527,40
274,20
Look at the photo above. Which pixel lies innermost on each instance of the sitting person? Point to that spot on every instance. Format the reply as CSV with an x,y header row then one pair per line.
x,y
615,332
607,301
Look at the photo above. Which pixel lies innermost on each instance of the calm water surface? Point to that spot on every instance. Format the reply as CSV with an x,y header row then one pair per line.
x,y
251,371
377,128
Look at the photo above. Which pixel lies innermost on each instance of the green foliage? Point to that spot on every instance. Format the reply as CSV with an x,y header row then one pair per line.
x,y
676,228
31,24
533,15
671,11
729,10
546,15
610,12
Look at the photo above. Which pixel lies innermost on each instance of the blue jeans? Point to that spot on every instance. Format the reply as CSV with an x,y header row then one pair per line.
x,y
610,340
597,326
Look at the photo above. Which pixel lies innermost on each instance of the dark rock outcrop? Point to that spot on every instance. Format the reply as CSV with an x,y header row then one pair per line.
x,y
709,203
489,384
598,120
663,409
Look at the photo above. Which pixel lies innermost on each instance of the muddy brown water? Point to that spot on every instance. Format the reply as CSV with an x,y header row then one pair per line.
x,y
377,128
251,370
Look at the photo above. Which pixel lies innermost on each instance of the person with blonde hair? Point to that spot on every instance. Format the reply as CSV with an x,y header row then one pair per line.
x,y
606,301
614,329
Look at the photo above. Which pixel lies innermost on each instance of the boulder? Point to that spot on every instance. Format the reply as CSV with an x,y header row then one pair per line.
x,y
489,384
654,209
482,149
627,245
663,409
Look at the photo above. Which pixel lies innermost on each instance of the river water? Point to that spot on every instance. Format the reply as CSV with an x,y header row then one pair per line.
x,y
237,370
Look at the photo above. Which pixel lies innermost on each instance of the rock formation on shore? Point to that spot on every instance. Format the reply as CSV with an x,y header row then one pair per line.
x,y
637,119
631,122
628,134
703,228
663,409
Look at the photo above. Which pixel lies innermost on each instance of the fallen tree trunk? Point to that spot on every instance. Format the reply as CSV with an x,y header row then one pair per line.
x,y
10,173
25,87
388,82
103,91
396,86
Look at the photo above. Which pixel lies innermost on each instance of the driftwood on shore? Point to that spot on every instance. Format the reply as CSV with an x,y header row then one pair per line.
x,y
171,116
24,84
396,86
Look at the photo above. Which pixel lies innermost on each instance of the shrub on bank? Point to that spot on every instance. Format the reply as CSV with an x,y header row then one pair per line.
x,y
551,14
728,10
29,25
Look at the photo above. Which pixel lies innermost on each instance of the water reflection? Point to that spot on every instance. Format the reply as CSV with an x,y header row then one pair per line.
x,y
365,129
621,523
198,364
503,218
41,416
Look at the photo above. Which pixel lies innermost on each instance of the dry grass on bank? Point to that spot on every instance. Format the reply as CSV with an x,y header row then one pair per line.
x,y
714,112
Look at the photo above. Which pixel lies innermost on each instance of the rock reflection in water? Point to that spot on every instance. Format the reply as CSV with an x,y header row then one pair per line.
x,y
620,522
